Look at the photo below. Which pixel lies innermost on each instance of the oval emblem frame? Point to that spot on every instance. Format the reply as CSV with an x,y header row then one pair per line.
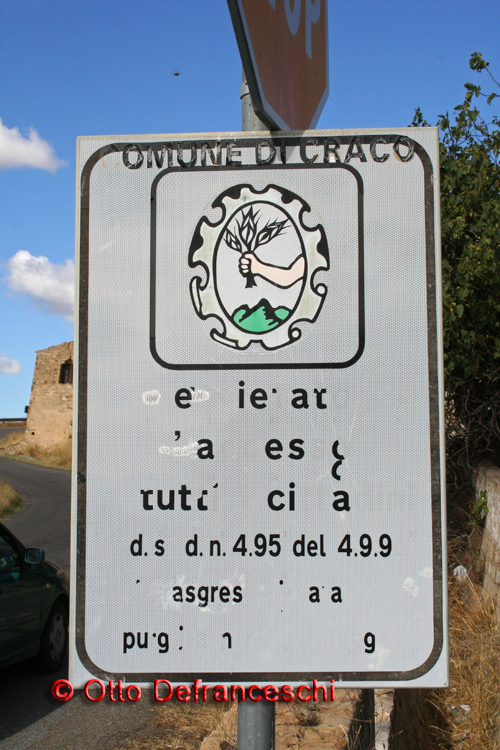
x,y
242,200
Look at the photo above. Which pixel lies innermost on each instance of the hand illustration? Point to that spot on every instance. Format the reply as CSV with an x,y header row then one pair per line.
x,y
249,264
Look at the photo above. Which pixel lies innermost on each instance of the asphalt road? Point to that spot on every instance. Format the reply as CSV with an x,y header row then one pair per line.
x,y
30,719
44,519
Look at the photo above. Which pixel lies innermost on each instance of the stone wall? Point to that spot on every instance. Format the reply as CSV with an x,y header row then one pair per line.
x,y
488,488
50,415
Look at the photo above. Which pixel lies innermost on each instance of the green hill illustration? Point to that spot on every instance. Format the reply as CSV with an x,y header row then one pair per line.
x,y
260,318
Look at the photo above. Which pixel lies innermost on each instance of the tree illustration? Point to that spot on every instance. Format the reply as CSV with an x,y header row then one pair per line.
x,y
250,237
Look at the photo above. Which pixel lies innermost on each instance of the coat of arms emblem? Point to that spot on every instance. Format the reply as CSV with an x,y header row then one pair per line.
x,y
260,261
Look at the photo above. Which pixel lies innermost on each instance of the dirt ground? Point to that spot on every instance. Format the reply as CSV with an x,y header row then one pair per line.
x,y
212,726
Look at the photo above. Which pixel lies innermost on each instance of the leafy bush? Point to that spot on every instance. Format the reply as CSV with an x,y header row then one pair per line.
x,y
470,232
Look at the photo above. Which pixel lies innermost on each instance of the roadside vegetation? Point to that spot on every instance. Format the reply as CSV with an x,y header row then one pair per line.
x,y
59,455
468,714
55,455
472,705
10,500
178,727
12,441
469,152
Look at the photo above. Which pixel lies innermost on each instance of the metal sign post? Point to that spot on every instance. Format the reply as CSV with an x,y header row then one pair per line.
x,y
256,724
256,720
249,119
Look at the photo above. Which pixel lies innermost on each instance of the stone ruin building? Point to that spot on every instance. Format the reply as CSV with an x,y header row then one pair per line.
x,y
50,414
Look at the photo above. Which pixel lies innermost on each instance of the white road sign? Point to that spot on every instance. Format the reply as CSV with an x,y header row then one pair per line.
x,y
260,472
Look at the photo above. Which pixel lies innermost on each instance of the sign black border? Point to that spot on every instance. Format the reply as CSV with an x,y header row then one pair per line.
x,y
261,365
433,338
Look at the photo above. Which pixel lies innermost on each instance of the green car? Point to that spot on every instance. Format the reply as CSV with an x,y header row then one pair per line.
x,y
34,606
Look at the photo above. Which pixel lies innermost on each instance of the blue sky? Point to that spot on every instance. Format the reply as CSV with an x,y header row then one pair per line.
x,y
70,68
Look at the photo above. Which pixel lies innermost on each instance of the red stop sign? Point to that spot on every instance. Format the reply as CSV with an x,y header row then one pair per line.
x,y
284,49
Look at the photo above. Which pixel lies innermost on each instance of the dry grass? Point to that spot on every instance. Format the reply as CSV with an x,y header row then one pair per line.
x,y
305,716
472,705
176,727
10,500
56,455
226,725
12,441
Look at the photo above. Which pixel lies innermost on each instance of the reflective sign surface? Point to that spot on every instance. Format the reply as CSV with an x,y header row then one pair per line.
x,y
258,495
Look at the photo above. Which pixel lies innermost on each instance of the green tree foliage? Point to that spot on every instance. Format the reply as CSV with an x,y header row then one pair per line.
x,y
470,231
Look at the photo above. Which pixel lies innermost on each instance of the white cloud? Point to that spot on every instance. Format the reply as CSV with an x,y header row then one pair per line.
x,y
32,151
48,283
10,366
